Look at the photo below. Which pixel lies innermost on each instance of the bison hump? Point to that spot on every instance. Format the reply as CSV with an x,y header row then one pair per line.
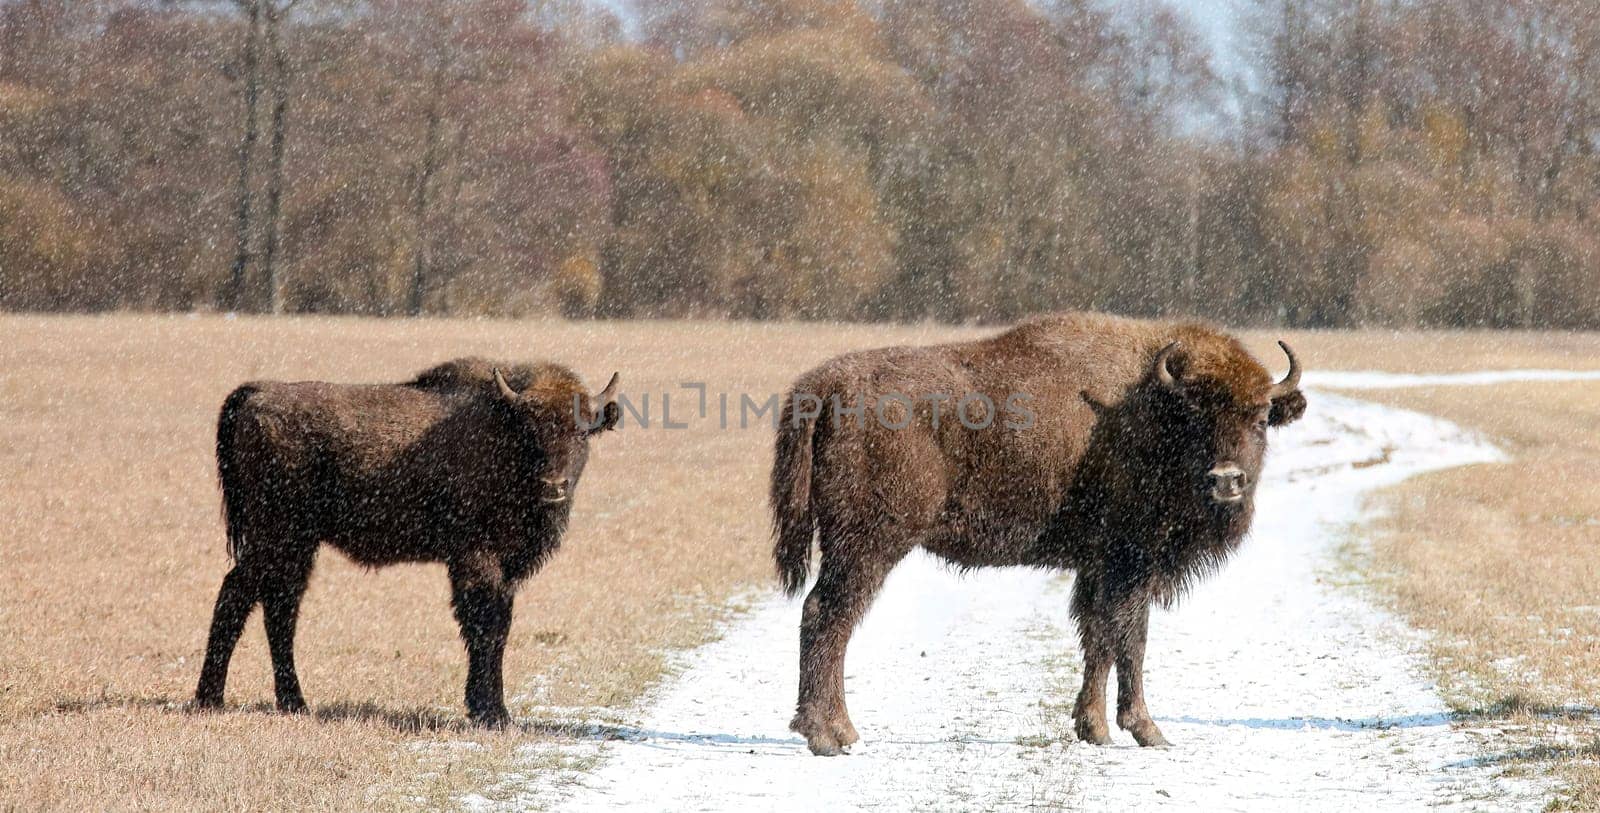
x,y
476,373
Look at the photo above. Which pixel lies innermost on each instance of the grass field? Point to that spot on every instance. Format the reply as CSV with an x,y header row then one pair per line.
x,y
112,549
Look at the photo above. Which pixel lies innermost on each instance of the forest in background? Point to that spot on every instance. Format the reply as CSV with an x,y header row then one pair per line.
x,y
1383,162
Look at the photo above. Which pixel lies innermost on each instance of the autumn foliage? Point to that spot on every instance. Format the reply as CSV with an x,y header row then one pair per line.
x,y
1405,162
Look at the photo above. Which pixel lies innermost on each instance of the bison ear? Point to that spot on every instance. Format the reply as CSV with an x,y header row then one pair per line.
x,y
1097,406
610,414
1287,408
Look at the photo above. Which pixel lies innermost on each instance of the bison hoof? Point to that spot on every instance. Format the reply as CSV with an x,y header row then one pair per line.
x,y
1142,728
825,746
1149,736
1094,733
206,702
292,705
844,733
824,739
490,718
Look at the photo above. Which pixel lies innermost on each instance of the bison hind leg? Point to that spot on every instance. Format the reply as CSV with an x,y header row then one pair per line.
x,y
847,582
281,593
238,596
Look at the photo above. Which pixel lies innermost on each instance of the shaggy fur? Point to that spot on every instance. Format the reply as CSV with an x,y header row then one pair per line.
x,y
1114,480
454,466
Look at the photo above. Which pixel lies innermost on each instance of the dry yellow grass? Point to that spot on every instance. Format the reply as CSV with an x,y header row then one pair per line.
x,y
112,550
1414,351
112,553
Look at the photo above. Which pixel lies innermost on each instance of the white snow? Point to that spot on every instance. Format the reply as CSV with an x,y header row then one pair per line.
x,y
1281,687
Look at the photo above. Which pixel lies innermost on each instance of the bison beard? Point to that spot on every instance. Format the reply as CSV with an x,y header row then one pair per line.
x,y
463,465
1138,473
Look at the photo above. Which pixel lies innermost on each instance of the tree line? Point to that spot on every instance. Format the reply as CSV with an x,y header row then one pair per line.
x,y
1351,162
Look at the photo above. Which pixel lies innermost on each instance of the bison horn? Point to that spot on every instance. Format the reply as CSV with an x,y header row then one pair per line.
x,y
1291,381
500,382
609,394
1163,373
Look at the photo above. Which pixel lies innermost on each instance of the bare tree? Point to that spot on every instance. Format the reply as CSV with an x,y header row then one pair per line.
x,y
237,290
275,14
428,167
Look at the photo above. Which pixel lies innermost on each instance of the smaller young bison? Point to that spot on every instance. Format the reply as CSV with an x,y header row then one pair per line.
x,y
469,464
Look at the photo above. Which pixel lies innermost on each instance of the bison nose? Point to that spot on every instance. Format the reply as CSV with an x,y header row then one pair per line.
x,y
555,489
1227,483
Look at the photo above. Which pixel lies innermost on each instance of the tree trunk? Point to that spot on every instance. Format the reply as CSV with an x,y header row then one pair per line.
x,y
234,295
420,272
280,108
1191,254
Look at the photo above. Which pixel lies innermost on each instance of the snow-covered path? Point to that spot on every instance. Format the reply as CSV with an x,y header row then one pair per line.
x,y
1279,688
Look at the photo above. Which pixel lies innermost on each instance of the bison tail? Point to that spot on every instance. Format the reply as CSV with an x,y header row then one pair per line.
x,y
792,522
233,491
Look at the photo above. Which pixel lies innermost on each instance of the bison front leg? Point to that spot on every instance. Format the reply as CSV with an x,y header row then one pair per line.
x,y
1132,716
1089,714
482,602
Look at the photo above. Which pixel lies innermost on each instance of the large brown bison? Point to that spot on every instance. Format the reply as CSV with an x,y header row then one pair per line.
x,y
1127,451
469,464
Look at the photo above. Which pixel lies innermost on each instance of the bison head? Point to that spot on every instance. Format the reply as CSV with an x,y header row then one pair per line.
x,y
556,422
1222,412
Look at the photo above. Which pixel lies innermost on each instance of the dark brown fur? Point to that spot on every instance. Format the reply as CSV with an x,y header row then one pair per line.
x,y
445,468
1112,480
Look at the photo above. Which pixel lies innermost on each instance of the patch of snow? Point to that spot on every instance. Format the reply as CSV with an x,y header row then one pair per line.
x,y
446,746
1279,689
